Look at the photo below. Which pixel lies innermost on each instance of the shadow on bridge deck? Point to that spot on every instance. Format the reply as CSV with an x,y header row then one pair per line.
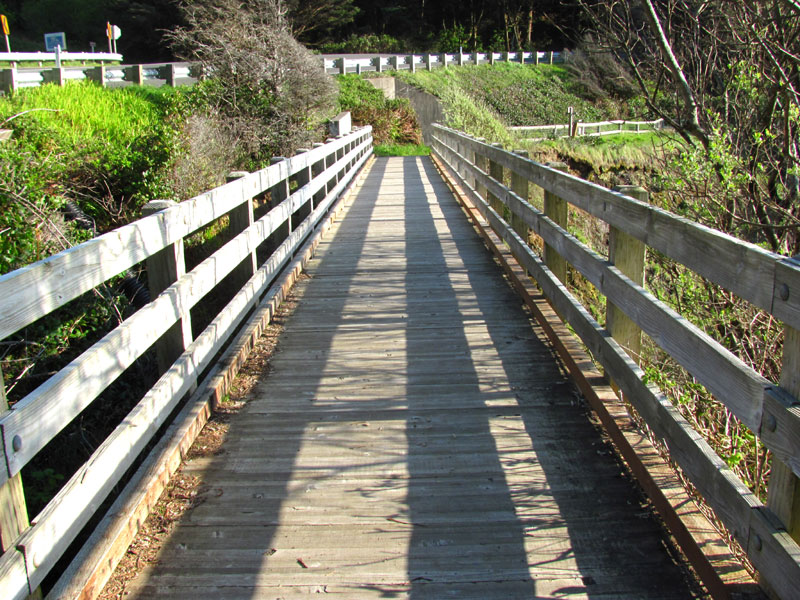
x,y
416,438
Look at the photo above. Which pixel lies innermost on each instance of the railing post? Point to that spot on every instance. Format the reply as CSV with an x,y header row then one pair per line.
x,y
8,80
496,173
96,74
54,75
13,512
303,177
428,61
241,218
342,66
395,61
460,58
519,185
550,57
444,59
556,209
628,255
491,57
164,268
317,168
536,57
134,74
506,56
411,64
783,497
378,64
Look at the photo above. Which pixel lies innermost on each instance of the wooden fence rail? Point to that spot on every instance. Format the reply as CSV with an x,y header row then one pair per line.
x,y
771,282
320,175
589,129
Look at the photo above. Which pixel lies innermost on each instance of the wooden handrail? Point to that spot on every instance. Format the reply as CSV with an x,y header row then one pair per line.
x,y
36,290
763,278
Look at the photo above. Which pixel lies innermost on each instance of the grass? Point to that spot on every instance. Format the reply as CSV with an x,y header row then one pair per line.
x,y
401,150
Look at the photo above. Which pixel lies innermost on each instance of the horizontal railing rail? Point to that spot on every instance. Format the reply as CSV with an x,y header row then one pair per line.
x,y
767,280
319,176
42,57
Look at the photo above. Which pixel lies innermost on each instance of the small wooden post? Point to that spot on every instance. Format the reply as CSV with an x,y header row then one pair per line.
x,y
483,165
628,255
557,210
783,497
303,177
519,185
164,268
241,218
496,173
13,512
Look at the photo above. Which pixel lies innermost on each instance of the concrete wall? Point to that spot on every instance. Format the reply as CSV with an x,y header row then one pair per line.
x,y
428,108
386,84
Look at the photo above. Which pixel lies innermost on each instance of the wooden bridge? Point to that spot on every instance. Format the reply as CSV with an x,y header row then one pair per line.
x,y
429,427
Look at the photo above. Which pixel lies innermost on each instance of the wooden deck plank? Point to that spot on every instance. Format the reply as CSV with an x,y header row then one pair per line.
x,y
415,438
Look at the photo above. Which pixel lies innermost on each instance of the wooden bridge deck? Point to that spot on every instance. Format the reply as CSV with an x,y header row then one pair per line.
x,y
415,438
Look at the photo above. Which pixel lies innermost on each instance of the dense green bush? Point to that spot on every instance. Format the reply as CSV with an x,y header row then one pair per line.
x,y
393,121
366,44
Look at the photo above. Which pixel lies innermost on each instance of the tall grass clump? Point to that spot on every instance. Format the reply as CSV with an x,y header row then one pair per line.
x,y
393,121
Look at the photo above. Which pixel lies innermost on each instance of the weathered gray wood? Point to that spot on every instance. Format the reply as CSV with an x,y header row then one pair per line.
x,y
38,289
64,517
519,185
557,211
747,270
784,484
407,464
13,511
727,377
627,254
164,268
89,571
773,553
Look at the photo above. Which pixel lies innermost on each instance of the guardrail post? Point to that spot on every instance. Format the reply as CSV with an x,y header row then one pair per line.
x,y
536,57
496,173
519,185
428,62
13,512
506,56
783,496
96,74
240,218
134,74
628,255
460,58
475,58
378,64
54,75
444,59
342,66
491,57
164,268
8,80
550,57
395,62
556,209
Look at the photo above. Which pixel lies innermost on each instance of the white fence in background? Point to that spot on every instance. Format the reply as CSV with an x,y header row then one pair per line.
x,y
588,129
342,63
43,57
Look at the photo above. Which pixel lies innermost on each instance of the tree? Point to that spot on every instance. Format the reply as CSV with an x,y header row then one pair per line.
x,y
271,89
318,20
726,76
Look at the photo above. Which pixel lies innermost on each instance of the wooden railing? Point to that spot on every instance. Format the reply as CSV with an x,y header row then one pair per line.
x,y
769,281
295,194
588,129
411,62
